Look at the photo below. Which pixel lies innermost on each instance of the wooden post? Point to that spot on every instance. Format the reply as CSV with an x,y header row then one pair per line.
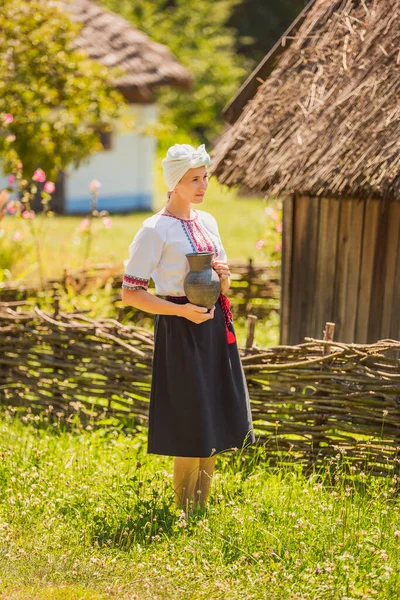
x,y
328,336
56,303
248,294
251,325
286,303
65,278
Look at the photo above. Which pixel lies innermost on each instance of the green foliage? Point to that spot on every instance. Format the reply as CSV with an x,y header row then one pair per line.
x,y
58,97
197,33
259,25
88,514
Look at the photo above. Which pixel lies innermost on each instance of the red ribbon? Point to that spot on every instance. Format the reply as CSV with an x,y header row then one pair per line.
x,y
226,308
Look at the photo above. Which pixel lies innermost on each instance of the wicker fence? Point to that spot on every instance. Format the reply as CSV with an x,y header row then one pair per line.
x,y
307,404
254,288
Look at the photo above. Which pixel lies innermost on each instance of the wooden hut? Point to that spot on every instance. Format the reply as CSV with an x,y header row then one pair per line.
x,y
323,132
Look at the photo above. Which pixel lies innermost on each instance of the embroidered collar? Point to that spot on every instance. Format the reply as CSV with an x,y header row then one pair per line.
x,y
179,218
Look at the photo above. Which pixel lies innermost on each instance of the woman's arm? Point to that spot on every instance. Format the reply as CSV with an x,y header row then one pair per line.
x,y
157,306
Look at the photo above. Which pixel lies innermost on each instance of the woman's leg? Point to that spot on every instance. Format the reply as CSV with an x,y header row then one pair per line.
x,y
206,470
186,472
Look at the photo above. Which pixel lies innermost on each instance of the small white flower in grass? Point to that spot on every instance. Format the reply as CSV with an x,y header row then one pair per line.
x,y
270,212
94,185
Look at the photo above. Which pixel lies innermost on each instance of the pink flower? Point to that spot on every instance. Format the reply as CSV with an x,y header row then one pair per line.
x,y
397,533
39,175
94,185
11,179
278,247
49,187
8,119
84,224
28,214
17,237
11,208
270,212
279,227
11,138
107,222
260,244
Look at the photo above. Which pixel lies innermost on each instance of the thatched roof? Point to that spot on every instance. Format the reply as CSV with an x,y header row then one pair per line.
x,y
327,120
111,40
263,70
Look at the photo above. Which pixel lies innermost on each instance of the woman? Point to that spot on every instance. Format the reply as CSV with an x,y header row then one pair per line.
x,y
199,403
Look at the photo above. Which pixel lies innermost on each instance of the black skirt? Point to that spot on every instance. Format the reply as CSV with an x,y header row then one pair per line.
x,y
199,403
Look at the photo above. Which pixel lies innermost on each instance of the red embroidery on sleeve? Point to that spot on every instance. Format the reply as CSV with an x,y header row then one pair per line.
x,y
131,282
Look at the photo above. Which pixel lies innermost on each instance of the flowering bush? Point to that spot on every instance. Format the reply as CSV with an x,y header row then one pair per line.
x,y
53,98
14,248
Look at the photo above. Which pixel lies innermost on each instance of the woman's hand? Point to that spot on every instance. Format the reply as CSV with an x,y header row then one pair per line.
x,y
196,314
224,274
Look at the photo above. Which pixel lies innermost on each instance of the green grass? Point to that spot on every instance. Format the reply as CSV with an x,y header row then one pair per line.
x,y
88,515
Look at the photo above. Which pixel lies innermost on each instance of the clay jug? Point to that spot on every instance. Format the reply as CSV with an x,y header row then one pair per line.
x,y
201,284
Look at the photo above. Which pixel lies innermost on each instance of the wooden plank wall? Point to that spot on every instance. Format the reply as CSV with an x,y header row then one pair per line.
x,y
341,263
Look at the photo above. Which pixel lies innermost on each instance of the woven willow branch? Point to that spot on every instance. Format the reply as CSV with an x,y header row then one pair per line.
x,y
307,405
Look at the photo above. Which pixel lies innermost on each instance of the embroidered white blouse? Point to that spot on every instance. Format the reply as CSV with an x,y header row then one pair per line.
x,y
158,251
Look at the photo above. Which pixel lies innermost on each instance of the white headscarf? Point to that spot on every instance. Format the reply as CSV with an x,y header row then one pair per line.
x,y
180,158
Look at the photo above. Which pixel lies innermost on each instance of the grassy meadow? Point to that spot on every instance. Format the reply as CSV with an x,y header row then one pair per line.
x,y
87,515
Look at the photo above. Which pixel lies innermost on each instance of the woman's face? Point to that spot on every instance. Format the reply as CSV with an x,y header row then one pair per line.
x,y
193,185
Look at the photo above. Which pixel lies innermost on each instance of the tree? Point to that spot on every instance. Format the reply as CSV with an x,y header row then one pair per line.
x,y
197,33
259,24
58,97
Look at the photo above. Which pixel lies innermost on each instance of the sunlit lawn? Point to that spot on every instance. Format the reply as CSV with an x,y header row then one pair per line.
x,y
88,515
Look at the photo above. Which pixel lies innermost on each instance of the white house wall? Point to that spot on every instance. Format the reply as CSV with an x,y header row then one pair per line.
x,y
125,172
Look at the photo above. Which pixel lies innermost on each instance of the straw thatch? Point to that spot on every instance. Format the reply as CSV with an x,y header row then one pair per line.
x,y
327,120
111,40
